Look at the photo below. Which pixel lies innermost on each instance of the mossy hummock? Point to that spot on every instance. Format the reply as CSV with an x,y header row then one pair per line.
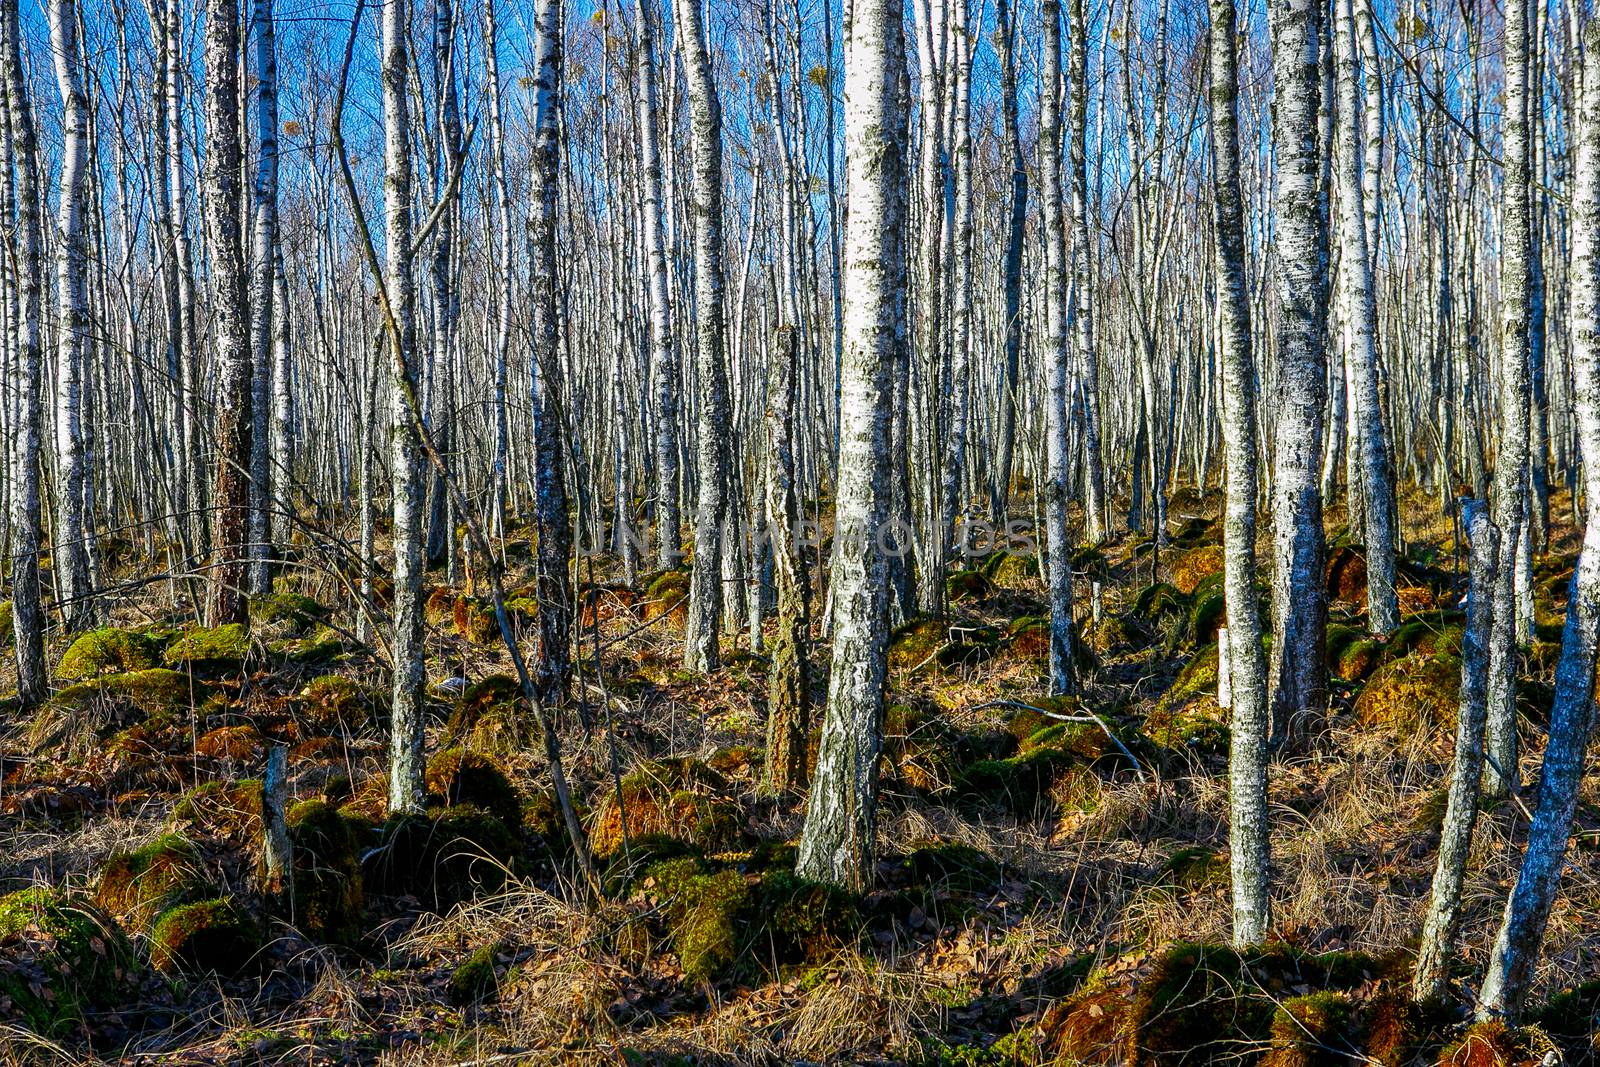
x,y
205,936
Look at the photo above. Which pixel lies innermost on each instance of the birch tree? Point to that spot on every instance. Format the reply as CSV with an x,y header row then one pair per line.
x,y
263,290
1431,980
1247,669
1511,459
73,578
1360,320
27,610
406,724
837,844
663,353
554,582
1300,284
700,652
1056,353
1527,913
224,148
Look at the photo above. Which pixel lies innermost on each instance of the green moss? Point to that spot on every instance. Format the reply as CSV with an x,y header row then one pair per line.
x,y
458,776
333,702
214,935
1314,1030
8,624
322,645
292,610
1195,726
488,715
150,879
702,911
1159,600
108,651
1358,659
1206,616
222,647
1198,678
58,961
1415,696
80,717
1205,1003
149,691
444,858
967,585
327,872
1196,868
1572,1012
1016,785
1015,571
666,593
916,643
476,978
951,866
679,798
227,810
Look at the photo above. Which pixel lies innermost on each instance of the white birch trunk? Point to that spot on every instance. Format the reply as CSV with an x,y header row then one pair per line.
x,y
838,842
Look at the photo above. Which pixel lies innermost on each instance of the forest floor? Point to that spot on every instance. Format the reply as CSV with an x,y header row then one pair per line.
x,y
1049,891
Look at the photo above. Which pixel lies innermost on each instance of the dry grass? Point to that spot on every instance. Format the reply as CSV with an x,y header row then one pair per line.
x,y
1351,869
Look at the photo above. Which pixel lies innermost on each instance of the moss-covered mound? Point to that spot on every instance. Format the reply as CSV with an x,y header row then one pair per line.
x,y
81,716
1189,569
488,716
683,799
327,872
1195,868
1494,1044
333,703
1198,678
58,961
1196,725
666,593
1415,696
1347,575
1019,785
108,650
443,858
1210,1003
214,935
239,743
967,585
476,978
292,612
225,810
1313,1030
218,648
460,776
721,919
475,620
138,885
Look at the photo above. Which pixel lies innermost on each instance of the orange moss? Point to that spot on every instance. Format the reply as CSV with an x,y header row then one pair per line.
x,y
1189,569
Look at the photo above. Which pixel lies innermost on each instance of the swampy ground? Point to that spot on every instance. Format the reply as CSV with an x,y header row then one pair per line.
x,y
1053,880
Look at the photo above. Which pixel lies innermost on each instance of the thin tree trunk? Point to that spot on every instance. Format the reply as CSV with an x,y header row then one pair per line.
x,y
73,581
1500,777
700,652
1300,239
1516,946
27,611
1431,980
838,842
1246,667
1057,356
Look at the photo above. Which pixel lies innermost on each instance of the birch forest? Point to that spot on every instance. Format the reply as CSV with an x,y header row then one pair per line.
x,y
956,533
